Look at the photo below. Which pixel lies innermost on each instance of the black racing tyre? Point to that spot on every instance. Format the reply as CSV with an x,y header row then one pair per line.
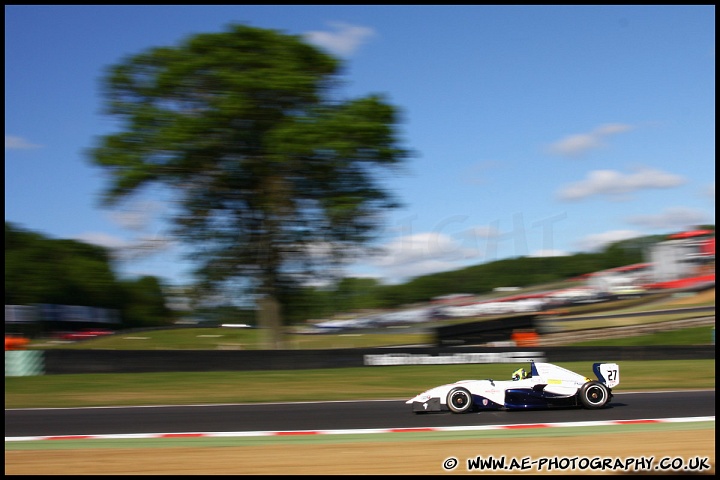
x,y
594,395
459,400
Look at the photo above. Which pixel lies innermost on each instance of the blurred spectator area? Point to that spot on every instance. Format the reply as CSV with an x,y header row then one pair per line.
x,y
46,320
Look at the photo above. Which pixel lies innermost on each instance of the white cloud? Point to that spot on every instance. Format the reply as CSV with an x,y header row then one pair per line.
x,y
345,40
103,240
426,253
419,248
419,254
486,232
143,246
138,216
617,184
549,253
597,241
18,143
578,144
674,218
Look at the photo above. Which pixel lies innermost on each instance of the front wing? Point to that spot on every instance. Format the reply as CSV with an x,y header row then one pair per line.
x,y
431,405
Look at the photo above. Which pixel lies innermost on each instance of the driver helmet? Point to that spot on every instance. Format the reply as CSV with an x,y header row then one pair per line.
x,y
519,374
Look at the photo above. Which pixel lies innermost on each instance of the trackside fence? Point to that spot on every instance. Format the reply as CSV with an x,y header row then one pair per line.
x,y
54,362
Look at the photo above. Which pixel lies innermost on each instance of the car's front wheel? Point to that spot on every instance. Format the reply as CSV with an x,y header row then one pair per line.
x,y
459,400
594,395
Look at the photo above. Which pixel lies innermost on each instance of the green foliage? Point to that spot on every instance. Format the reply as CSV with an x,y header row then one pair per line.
x,y
144,304
42,270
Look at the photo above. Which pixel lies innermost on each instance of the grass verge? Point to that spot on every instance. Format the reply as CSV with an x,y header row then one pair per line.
x,y
384,382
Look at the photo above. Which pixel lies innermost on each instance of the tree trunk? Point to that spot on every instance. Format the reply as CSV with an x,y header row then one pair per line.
x,y
270,321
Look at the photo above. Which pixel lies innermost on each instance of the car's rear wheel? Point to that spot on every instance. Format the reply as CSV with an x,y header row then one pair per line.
x,y
459,400
594,395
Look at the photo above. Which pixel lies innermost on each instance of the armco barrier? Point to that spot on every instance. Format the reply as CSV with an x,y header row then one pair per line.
x,y
140,361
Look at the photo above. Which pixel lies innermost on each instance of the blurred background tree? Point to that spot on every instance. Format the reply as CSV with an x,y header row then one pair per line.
x,y
275,178
39,269
144,303
43,270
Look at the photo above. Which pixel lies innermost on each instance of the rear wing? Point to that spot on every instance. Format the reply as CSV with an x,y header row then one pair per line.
x,y
607,373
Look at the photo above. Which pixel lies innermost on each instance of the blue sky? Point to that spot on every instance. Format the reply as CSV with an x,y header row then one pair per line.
x,y
537,130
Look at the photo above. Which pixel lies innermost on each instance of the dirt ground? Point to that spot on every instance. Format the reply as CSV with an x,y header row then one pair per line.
x,y
370,458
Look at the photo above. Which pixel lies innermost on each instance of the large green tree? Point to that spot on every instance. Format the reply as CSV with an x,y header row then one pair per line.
x,y
273,173
39,269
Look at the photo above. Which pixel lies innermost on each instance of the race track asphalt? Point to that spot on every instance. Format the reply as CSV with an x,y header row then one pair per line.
x,y
380,414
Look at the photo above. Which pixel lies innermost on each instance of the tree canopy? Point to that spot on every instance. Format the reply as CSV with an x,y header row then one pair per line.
x,y
43,270
274,176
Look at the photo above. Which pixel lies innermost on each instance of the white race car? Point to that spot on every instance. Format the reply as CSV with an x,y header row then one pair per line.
x,y
545,386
